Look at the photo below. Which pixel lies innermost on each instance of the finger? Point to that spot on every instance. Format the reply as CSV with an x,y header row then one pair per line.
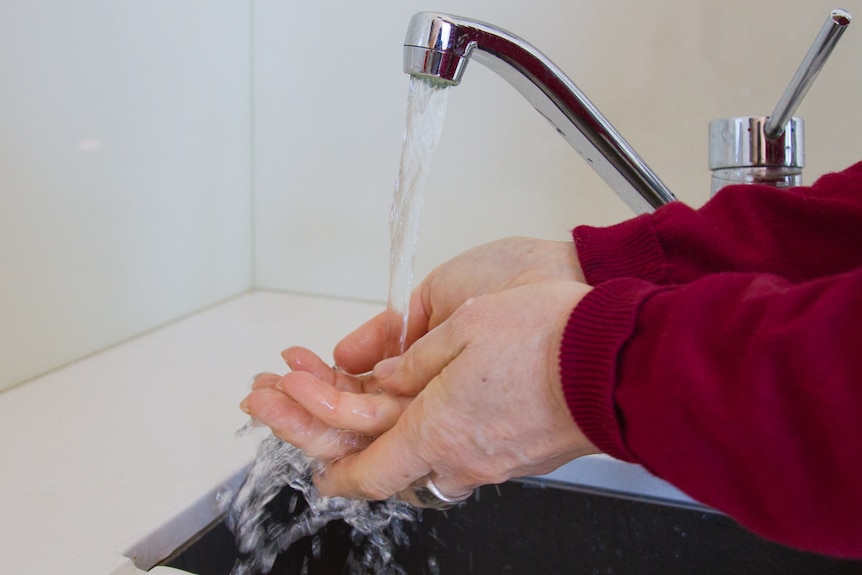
x,y
379,337
290,422
410,373
363,347
265,380
367,413
302,359
405,456
388,466
431,485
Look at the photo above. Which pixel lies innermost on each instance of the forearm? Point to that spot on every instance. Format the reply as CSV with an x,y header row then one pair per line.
x,y
798,234
741,389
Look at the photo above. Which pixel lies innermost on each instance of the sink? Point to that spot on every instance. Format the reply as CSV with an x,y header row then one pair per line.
x,y
534,526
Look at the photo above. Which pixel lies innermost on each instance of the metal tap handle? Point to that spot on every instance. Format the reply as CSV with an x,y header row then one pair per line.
x,y
811,65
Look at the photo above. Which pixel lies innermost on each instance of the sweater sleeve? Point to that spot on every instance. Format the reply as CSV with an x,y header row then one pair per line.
x,y
799,234
742,389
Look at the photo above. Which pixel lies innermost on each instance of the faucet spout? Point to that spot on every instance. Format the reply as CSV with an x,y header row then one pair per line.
x,y
438,46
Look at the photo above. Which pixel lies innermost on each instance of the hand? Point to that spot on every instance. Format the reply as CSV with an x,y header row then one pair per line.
x,y
486,269
488,400
324,412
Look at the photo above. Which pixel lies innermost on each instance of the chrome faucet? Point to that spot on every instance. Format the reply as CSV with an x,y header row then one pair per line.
x,y
438,46
770,150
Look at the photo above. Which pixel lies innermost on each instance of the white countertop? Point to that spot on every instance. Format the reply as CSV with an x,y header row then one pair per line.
x,y
123,454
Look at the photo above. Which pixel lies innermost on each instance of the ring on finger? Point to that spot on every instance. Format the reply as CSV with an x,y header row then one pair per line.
x,y
429,495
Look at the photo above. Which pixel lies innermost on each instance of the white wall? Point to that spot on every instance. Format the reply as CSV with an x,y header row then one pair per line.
x,y
158,156
124,170
329,100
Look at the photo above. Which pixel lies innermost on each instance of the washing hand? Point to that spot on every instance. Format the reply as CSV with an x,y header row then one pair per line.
x,y
324,412
331,414
490,268
488,400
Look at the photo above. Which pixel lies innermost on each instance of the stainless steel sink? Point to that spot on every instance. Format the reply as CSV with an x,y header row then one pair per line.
x,y
532,527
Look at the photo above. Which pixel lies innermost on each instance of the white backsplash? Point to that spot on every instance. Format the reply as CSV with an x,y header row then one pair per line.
x,y
329,115
124,171
156,157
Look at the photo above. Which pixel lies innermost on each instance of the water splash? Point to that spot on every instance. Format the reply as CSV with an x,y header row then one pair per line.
x,y
378,527
262,534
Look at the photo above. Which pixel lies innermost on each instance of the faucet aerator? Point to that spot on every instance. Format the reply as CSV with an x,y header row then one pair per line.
x,y
441,68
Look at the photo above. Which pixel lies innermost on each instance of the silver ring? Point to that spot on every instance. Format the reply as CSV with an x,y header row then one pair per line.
x,y
429,495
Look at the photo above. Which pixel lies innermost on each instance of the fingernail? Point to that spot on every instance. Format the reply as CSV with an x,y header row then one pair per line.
x,y
385,368
244,406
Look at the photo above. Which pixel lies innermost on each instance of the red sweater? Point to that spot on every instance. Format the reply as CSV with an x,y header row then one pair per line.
x,y
722,349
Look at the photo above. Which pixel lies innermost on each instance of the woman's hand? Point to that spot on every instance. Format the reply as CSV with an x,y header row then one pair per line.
x,y
329,413
325,412
490,268
488,400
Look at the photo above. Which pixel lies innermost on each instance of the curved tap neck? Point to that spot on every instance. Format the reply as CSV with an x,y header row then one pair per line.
x,y
438,47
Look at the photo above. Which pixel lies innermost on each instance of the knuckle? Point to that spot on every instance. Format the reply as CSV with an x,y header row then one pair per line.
x,y
370,489
467,318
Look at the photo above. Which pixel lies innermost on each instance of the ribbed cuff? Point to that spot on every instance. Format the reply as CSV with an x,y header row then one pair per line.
x,y
594,337
627,249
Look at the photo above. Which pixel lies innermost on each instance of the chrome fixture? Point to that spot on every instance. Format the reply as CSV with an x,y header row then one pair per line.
x,y
770,150
438,46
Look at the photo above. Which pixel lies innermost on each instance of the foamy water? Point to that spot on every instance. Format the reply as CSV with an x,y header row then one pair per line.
x,y
378,527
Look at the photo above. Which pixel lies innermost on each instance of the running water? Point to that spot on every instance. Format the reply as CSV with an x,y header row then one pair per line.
x,y
426,109
378,527
262,532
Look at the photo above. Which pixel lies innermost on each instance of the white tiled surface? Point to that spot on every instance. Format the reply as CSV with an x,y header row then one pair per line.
x,y
123,454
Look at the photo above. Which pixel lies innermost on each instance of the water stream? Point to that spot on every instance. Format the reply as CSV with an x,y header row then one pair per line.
x,y
426,109
378,527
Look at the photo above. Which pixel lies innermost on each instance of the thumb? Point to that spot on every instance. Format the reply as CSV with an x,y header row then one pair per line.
x,y
398,457
408,374
389,465
359,350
